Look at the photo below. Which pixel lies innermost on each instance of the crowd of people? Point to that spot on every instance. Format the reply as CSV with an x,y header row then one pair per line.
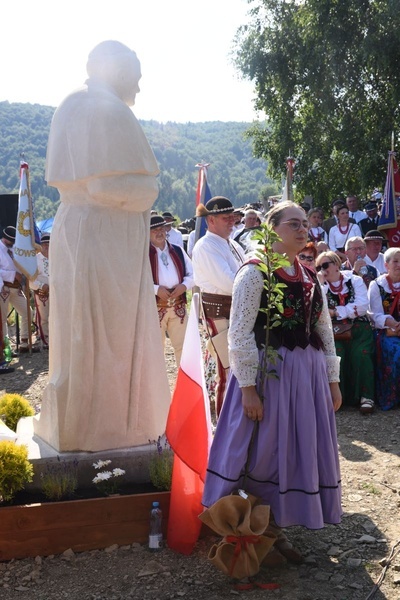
x,y
349,256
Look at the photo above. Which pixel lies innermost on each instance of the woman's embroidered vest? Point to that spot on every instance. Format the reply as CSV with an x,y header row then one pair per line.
x,y
297,325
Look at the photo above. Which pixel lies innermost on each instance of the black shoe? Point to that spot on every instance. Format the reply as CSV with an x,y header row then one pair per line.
x,y
4,370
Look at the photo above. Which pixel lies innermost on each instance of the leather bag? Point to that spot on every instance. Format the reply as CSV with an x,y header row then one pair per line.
x,y
342,330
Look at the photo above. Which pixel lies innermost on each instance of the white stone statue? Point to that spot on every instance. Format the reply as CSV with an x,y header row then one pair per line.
x,y
108,387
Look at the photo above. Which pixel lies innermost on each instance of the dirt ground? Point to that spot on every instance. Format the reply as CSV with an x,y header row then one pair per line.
x,y
342,562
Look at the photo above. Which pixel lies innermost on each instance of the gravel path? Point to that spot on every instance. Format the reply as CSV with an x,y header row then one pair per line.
x,y
342,562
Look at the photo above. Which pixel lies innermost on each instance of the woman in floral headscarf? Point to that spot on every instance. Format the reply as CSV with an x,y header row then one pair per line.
x,y
384,305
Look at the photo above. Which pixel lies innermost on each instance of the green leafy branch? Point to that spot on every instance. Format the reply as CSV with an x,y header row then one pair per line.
x,y
270,261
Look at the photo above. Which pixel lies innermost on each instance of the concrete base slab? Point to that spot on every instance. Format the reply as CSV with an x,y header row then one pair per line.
x,y
135,461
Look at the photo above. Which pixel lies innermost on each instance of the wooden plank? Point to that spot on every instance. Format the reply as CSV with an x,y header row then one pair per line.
x,y
78,524
113,509
88,537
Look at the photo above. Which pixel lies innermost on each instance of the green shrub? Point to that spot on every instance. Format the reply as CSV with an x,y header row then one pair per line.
x,y
15,469
12,408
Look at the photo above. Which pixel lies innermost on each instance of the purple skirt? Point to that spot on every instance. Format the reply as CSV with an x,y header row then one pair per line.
x,y
294,465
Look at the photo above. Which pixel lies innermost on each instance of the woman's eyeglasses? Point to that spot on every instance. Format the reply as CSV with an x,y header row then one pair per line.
x,y
306,257
296,224
324,266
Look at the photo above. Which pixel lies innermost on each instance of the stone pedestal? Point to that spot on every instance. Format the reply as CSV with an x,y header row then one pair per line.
x,y
134,461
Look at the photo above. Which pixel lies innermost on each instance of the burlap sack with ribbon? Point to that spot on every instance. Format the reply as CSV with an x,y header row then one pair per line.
x,y
242,523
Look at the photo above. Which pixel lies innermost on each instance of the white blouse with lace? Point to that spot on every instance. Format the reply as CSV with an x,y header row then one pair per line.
x,y
376,311
357,308
243,351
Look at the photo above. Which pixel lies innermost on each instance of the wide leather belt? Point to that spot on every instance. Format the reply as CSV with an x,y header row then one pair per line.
x,y
216,306
171,302
167,303
15,284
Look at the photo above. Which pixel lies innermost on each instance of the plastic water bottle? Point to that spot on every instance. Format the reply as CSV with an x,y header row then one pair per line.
x,y
363,270
7,349
155,532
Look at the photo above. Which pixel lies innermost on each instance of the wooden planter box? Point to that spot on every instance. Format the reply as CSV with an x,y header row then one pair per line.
x,y
53,527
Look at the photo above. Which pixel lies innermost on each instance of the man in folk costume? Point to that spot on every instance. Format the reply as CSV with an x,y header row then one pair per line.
x,y
172,277
173,235
41,290
11,292
374,240
216,260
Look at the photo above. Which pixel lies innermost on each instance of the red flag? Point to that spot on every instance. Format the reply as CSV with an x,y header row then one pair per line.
x,y
389,221
189,435
202,185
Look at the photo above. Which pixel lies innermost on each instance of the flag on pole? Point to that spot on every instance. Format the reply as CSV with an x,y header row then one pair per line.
x,y
189,435
25,246
288,187
390,212
203,195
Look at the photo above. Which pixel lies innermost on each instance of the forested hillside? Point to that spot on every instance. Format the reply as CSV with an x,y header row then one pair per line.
x,y
233,171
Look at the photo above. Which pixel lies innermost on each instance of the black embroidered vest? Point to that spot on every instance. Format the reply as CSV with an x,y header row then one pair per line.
x,y
387,300
297,324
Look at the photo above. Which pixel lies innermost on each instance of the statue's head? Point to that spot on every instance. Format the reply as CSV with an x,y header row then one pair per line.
x,y
118,66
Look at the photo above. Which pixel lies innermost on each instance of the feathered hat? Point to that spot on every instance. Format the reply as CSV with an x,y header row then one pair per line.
x,y
215,206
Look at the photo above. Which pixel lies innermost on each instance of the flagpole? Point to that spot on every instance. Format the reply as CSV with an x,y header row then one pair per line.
x,y
28,308
25,247
200,199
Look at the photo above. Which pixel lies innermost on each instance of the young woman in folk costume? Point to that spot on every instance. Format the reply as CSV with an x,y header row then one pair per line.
x,y
294,464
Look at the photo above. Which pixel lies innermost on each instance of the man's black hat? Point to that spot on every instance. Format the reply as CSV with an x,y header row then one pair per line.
x,y
168,215
45,238
215,206
374,234
9,233
157,221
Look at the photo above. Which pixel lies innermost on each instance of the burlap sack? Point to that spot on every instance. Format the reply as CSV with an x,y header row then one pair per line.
x,y
242,523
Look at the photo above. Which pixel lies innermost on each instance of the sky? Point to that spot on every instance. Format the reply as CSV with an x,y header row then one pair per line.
x,y
183,47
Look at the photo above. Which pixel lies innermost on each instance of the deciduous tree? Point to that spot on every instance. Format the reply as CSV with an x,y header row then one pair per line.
x,y
327,77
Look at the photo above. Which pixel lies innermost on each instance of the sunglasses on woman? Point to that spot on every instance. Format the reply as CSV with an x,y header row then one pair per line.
x,y
324,266
306,257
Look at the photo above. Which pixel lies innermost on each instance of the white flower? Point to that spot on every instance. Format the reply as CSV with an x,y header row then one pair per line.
x,y
102,476
118,472
101,463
